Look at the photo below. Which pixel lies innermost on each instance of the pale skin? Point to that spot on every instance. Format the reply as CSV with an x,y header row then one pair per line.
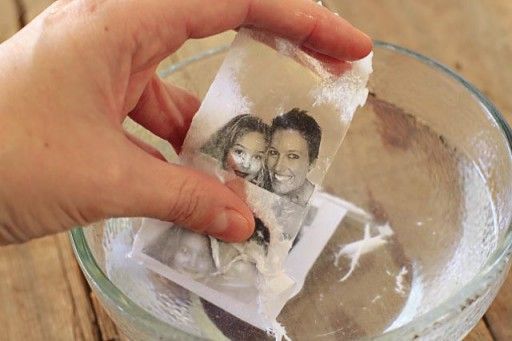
x,y
247,155
289,165
193,255
72,76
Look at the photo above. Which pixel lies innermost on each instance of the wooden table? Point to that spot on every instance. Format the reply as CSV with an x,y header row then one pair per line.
x,y
43,293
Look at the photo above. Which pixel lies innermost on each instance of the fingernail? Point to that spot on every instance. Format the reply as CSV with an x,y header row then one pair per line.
x,y
229,225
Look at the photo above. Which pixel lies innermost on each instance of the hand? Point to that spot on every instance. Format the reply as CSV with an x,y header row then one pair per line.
x,y
71,77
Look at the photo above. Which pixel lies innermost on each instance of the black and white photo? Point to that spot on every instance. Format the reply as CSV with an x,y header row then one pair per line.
x,y
219,272
277,156
294,146
268,128
241,146
184,251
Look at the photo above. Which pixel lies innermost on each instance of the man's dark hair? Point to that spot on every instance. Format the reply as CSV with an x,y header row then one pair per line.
x,y
306,125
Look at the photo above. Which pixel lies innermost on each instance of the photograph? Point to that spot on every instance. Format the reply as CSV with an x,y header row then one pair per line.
x,y
222,273
259,125
204,259
277,156
216,271
241,146
184,251
253,121
275,138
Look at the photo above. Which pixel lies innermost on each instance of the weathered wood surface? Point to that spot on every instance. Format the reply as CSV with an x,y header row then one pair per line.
x,y
43,293
480,333
499,316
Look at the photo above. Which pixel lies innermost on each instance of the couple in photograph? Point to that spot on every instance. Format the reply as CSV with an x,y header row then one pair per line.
x,y
277,157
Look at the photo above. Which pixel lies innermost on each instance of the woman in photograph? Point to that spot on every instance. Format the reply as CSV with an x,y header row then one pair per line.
x,y
294,148
185,251
241,146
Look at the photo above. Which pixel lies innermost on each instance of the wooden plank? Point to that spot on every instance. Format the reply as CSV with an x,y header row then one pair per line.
x,y
107,327
43,294
472,36
34,7
84,319
499,315
8,19
479,333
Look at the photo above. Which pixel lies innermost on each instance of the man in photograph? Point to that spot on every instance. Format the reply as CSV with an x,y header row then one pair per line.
x,y
294,147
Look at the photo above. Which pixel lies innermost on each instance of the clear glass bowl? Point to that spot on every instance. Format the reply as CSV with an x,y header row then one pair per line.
x,y
428,153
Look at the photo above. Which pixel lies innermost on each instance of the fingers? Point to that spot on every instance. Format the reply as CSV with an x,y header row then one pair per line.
x,y
145,146
166,110
169,23
183,196
330,64
311,25
303,21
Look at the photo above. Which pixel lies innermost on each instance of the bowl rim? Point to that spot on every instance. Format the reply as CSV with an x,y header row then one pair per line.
x,y
494,266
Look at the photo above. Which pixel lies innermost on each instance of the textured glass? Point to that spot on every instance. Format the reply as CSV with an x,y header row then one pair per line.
x,y
428,154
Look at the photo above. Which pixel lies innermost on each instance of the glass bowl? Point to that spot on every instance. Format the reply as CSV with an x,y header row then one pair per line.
x,y
428,154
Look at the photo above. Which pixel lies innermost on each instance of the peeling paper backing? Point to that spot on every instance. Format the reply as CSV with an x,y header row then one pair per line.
x,y
256,79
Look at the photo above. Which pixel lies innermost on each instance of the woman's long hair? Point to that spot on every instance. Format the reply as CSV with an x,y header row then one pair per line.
x,y
224,139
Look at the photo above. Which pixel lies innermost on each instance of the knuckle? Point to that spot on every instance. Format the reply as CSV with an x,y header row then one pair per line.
x,y
11,235
89,6
185,204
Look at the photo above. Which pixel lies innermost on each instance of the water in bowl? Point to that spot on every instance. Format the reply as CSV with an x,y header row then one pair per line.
x,y
403,173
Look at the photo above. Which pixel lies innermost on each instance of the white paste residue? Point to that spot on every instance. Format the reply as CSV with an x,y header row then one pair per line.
x,y
223,101
348,91
214,244
356,249
169,303
400,287
285,47
278,331
273,280
411,308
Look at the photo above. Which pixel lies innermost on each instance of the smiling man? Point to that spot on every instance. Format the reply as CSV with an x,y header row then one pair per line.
x,y
292,154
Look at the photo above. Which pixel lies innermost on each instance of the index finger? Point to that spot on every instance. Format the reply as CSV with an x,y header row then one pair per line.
x,y
302,21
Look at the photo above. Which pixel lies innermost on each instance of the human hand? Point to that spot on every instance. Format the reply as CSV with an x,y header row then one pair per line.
x,y
71,77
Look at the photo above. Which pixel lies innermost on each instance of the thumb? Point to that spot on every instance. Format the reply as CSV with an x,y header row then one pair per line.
x,y
187,197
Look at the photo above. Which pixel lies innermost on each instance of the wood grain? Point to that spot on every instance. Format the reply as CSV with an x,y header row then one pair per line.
x,y
43,294
33,7
9,23
499,315
480,333
107,328
472,36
